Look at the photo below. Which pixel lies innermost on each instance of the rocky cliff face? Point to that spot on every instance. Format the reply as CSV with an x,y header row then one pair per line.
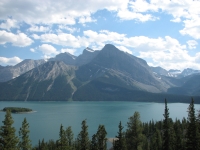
x,y
49,81
67,58
87,56
124,66
11,72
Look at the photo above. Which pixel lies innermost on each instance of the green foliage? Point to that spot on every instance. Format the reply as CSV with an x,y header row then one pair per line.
x,y
166,129
8,140
62,142
101,138
17,109
120,142
83,137
192,130
70,136
25,142
94,143
134,136
156,141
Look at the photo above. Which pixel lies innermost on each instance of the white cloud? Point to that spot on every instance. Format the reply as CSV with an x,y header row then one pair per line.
x,y
123,48
48,50
176,20
70,29
186,11
166,52
192,44
32,49
128,15
86,19
36,37
35,28
138,10
19,39
63,39
197,57
103,37
59,12
10,61
192,28
68,12
8,24
71,51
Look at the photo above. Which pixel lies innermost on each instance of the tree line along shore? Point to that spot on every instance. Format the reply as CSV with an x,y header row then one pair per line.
x,y
17,109
166,134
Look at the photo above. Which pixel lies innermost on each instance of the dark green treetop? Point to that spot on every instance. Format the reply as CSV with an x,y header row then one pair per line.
x,y
8,140
25,142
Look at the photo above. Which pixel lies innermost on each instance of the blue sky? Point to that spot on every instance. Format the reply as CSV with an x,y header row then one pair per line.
x,y
164,33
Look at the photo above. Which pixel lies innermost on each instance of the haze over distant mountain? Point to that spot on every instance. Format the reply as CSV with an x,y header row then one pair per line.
x,y
109,74
174,72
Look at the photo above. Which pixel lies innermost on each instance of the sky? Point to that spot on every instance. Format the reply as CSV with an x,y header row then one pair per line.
x,y
165,33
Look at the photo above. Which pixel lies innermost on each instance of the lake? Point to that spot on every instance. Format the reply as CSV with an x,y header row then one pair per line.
x,y
45,122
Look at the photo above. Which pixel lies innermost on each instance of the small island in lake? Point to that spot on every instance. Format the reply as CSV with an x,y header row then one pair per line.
x,y
17,109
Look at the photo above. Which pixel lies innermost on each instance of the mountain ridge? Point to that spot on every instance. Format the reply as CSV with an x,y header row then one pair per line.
x,y
109,74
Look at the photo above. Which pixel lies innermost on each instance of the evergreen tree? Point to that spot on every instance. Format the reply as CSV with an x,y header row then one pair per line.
x,y
51,145
134,137
192,132
83,138
43,145
166,128
146,145
198,127
25,143
179,135
93,145
62,142
120,143
69,135
156,141
101,138
8,140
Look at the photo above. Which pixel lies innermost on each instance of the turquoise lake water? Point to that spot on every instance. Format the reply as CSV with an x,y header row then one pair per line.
x,y
45,122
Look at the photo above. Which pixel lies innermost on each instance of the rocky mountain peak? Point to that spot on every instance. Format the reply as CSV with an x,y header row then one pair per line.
x,y
88,50
49,71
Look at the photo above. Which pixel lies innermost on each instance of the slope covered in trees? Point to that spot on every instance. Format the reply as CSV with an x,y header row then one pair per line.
x,y
166,134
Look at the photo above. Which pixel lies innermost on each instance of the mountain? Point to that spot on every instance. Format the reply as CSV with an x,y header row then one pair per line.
x,y
109,74
174,72
122,69
189,71
190,86
160,71
49,81
87,56
11,72
67,58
